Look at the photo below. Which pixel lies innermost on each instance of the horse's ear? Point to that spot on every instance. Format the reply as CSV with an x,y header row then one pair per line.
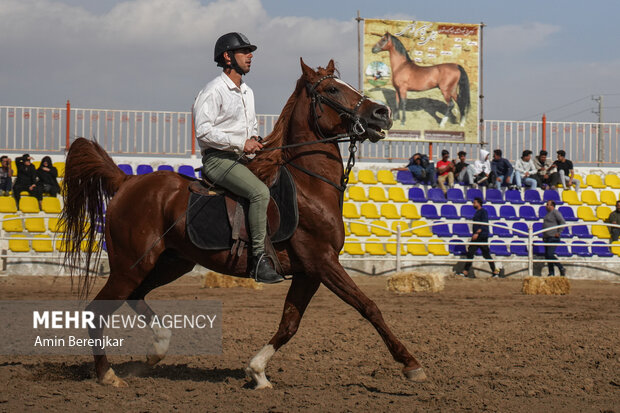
x,y
306,70
331,67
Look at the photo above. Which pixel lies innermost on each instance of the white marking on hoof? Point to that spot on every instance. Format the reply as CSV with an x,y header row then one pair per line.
x,y
463,123
443,122
160,345
111,379
256,368
416,375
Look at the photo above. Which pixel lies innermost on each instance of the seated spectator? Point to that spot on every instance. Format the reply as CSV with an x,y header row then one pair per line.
x,y
482,169
503,171
6,175
546,171
421,168
47,174
462,170
445,171
614,218
26,179
526,170
565,171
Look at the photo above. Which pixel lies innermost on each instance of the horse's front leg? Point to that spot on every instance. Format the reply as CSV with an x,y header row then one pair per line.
x,y
397,111
300,293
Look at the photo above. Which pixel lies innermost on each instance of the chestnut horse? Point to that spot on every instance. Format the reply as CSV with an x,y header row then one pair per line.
x,y
407,75
143,207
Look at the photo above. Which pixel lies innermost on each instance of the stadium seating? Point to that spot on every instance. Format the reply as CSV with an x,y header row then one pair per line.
x,y
473,193
615,248
567,213
390,247
377,194
374,248
551,195
514,197
608,198
359,229
165,168
603,213
417,195
429,211
353,247
43,243
449,212
397,194
538,250
369,210
54,226
585,213
60,168
520,226
17,244
562,250
349,210
405,178
457,247
187,170
467,212
581,231
409,211
399,224
366,176
7,205
499,248
542,211
461,230
12,225
380,232
35,224
601,249
589,197
436,195
533,197
416,247
436,247
612,181
508,212
491,212
51,205
386,177
357,194
421,232
582,184
570,197
29,205
347,231
580,249
595,181
536,227
455,195
441,230
518,248
501,230
144,169
600,231
126,168
495,196
389,211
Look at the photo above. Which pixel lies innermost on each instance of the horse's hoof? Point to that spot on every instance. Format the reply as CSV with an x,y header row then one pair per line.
x,y
111,379
416,375
259,378
153,359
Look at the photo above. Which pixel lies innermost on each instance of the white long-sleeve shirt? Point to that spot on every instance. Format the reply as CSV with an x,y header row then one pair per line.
x,y
522,167
224,115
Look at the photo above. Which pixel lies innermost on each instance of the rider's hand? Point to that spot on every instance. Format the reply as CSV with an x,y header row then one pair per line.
x,y
251,146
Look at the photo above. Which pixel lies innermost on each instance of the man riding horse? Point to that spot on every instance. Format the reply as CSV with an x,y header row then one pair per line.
x,y
227,129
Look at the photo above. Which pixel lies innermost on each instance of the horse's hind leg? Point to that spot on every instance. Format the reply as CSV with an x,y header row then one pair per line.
x,y
447,114
300,293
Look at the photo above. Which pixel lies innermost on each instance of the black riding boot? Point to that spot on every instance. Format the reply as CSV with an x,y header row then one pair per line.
x,y
263,271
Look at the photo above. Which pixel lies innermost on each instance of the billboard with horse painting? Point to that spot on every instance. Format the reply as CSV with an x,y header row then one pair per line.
x,y
428,74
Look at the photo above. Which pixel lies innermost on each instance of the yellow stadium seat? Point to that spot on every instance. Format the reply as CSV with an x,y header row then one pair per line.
x,y
409,211
14,168
379,232
390,247
60,166
608,198
359,229
585,213
612,181
421,232
386,177
416,247
51,205
353,247
370,211
347,231
389,211
615,248
12,225
35,225
349,210
29,205
53,225
582,184
397,194
43,244
19,245
7,205
366,176
400,224
84,246
61,245
36,164
345,196
600,231
436,247
570,197
352,178
357,193
589,197
595,181
603,212
377,194
374,249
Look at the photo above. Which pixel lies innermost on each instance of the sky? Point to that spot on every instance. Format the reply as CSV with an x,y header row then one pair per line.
x,y
542,56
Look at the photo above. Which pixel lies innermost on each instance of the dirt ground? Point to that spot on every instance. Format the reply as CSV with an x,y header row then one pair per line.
x,y
484,345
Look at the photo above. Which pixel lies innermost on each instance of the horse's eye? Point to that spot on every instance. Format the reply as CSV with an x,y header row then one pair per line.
x,y
331,90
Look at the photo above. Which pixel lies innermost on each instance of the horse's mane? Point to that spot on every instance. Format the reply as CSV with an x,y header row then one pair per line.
x,y
399,46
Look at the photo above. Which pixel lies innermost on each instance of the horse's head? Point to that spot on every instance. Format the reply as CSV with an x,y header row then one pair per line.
x,y
338,108
383,44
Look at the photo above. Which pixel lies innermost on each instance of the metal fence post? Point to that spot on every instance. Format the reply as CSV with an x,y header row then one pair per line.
x,y
67,133
398,248
530,251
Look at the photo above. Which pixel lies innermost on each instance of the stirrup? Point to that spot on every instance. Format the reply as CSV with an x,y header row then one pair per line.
x,y
269,274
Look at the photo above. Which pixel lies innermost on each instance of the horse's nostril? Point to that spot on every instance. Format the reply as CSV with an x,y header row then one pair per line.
x,y
381,112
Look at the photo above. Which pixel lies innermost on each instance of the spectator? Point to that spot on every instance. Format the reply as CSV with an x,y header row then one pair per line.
x,y
445,170
614,218
546,171
421,169
482,169
47,174
503,171
479,239
565,171
552,236
26,179
6,175
526,170
463,171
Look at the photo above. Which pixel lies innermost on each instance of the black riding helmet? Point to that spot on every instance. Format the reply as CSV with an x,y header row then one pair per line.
x,y
230,42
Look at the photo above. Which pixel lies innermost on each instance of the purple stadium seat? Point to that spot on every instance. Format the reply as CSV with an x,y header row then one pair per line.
x,y
165,168
539,250
441,230
449,212
405,178
567,213
456,195
542,211
527,213
491,211
518,248
521,226
514,197
581,231
467,212
562,250
508,212
144,169
501,230
580,249
602,250
457,247
533,197
436,195
537,226
474,193
125,167
551,195
498,247
429,211
187,170
566,233
417,195
495,196
461,230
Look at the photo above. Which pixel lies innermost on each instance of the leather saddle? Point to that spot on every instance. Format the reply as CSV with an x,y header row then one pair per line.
x,y
217,219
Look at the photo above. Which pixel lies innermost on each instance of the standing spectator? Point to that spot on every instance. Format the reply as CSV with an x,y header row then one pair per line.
x,y
614,218
546,171
526,170
47,174
445,170
552,236
482,169
503,171
26,179
6,175
463,172
421,169
481,236
565,171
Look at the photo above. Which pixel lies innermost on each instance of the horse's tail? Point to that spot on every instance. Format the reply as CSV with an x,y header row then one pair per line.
x,y
91,178
463,99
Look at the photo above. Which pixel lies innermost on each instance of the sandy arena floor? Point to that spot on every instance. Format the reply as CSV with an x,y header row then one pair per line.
x,y
484,345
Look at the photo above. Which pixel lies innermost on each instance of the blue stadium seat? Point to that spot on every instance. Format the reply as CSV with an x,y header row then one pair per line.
x,y
508,212
436,195
602,249
495,196
498,247
581,231
187,170
568,214
449,212
456,195
125,167
501,230
537,226
518,248
461,230
474,193
542,211
551,195
533,197
539,250
144,169
527,213
457,247
491,211
441,230
562,250
417,195
405,178
165,168
521,226
566,233
514,197
467,212
580,249
429,211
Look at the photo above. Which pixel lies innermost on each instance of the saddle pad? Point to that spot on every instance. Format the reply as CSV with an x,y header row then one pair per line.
x,y
207,222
